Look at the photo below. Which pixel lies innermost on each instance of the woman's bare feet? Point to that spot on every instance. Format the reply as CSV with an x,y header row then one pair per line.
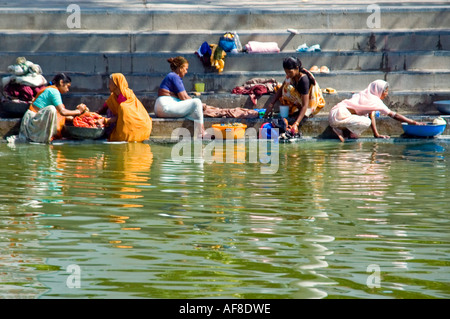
x,y
339,133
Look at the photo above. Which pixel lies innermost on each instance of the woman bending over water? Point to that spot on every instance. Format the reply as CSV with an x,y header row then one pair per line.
x,y
353,116
130,121
45,118
300,91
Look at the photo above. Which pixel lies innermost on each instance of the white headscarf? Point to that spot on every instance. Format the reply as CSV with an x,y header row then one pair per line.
x,y
369,100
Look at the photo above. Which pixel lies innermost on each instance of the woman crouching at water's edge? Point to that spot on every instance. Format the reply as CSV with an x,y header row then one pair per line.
x,y
128,120
353,116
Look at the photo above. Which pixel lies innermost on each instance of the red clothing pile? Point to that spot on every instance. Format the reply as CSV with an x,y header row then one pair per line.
x,y
256,87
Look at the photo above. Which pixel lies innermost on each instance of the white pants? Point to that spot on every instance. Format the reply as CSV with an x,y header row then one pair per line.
x,y
168,106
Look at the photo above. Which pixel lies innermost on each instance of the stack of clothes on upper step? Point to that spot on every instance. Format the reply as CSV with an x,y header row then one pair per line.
x,y
25,81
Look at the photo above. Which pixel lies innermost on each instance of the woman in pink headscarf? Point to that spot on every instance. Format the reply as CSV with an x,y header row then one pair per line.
x,y
353,116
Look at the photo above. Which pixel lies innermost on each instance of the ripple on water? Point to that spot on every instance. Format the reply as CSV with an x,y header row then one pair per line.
x,y
140,224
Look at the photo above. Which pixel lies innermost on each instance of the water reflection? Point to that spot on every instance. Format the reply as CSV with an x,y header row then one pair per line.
x,y
427,151
385,201
140,223
131,163
83,166
22,201
362,173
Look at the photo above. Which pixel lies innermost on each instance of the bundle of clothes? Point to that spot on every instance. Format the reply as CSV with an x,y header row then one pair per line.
x,y
257,87
24,83
213,55
89,120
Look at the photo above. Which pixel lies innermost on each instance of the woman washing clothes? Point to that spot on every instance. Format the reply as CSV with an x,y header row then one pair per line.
x,y
353,116
300,91
45,118
174,102
128,120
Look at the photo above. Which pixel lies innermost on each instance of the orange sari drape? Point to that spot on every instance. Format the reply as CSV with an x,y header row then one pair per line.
x,y
133,121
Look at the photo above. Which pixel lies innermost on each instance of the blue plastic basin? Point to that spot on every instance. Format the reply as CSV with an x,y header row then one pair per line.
x,y
428,130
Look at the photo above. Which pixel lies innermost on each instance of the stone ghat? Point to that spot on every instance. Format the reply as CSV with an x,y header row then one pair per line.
x,y
316,127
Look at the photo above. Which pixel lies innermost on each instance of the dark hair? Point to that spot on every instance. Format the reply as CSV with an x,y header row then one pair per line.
x,y
61,76
176,62
295,63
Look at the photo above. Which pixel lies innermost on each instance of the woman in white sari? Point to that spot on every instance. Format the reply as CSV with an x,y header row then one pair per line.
x,y
351,116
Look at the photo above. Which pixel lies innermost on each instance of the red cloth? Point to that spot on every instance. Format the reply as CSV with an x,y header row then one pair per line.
x,y
22,92
255,92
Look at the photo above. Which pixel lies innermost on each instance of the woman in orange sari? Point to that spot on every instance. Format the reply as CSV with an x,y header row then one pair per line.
x,y
130,119
47,114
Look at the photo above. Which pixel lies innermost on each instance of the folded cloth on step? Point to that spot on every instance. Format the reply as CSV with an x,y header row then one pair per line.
x,y
262,47
34,80
238,113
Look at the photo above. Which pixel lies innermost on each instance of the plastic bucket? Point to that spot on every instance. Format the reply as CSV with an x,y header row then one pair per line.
x,y
261,112
284,111
229,131
268,132
199,87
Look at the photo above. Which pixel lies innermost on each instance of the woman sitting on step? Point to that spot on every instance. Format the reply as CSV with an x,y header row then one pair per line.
x,y
300,91
174,102
350,117
129,121
45,118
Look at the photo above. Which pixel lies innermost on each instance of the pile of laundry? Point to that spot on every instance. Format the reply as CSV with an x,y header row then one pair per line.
x,y
257,87
89,120
24,83
213,55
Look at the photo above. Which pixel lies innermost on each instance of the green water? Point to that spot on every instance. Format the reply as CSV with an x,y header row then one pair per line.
x,y
355,220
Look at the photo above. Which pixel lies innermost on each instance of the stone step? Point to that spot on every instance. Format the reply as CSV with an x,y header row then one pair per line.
x,y
119,41
151,62
427,80
213,18
405,102
317,127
